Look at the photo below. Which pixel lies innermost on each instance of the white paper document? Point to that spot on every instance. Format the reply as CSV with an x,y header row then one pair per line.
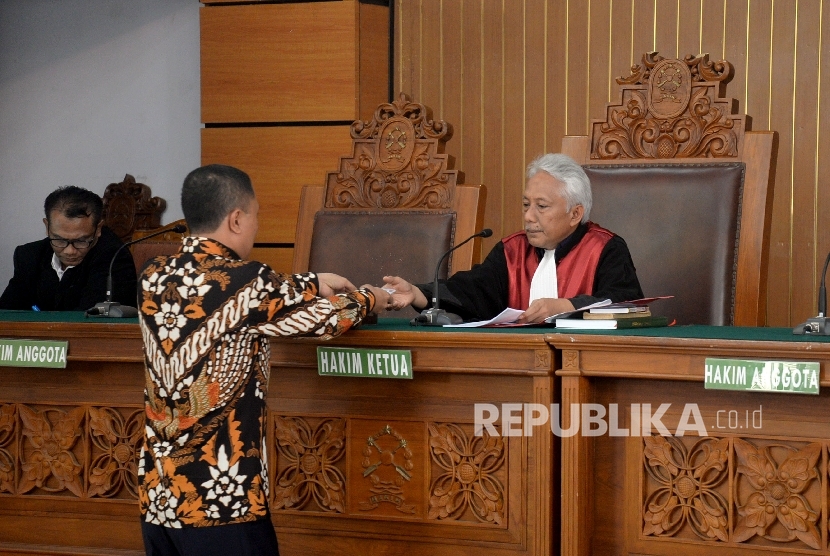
x,y
509,316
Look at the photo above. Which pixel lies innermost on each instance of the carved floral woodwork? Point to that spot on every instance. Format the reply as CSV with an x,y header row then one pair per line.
x,y
129,206
309,466
778,476
757,492
469,475
114,441
49,454
82,451
8,452
671,108
397,162
686,488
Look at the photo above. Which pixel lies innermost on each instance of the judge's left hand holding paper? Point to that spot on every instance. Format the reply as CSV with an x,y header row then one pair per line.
x,y
560,261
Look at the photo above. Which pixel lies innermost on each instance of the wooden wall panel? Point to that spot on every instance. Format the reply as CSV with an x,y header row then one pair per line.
x,y
568,52
280,161
257,65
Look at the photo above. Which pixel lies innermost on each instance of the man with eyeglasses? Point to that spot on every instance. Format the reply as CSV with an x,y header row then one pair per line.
x,y
67,270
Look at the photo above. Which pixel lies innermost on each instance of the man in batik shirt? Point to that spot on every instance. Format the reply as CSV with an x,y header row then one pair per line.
x,y
206,316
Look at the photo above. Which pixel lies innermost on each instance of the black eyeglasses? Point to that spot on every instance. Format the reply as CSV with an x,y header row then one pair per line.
x,y
76,243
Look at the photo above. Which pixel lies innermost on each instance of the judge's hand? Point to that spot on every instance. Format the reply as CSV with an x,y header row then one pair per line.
x,y
332,284
405,293
541,309
382,298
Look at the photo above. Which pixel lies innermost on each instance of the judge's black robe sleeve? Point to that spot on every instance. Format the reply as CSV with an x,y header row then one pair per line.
x,y
481,293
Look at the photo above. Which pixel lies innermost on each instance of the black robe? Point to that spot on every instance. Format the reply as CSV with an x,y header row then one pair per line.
x,y
35,282
481,293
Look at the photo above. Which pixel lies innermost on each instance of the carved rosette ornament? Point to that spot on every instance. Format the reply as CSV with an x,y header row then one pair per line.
x,y
387,462
49,454
685,487
671,108
469,475
114,442
397,162
307,466
774,504
8,454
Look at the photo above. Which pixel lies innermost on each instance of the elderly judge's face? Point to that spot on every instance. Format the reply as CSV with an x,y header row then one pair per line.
x,y
71,238
546,216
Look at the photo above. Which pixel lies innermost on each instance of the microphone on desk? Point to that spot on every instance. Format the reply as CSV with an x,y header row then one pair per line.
x,y
819,325
434,316
114,309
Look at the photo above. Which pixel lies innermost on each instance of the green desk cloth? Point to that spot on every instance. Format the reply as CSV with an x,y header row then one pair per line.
x,y
401,325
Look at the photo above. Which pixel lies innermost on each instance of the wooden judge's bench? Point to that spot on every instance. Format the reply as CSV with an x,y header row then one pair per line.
x,y
68,441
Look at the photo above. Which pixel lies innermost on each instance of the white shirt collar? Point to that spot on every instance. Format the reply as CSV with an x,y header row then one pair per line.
x,y
56,264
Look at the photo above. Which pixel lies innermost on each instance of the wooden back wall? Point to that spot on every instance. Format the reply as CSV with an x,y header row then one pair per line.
x,y
515,76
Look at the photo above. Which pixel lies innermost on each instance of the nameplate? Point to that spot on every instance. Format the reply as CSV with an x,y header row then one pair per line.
x,y
33,353
783,377
372,363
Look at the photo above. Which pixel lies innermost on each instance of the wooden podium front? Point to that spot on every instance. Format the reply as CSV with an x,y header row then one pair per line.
x,y
336,445
755,484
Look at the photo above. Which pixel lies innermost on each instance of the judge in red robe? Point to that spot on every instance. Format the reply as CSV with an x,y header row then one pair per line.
x,y
560,261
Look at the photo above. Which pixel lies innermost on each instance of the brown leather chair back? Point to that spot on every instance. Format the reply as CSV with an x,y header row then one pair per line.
x,y
396,244
676,172
680,222
167,243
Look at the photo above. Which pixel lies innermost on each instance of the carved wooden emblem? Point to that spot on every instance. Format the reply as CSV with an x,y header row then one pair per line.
x,y
129,206
774,505
670,87
469,475
687,485
671,108
387,462
308,476
397,162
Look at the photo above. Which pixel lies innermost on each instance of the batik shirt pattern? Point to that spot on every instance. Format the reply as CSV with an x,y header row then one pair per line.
x,y
205,318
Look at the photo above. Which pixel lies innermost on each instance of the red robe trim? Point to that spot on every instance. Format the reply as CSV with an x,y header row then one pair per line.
x,y
574,274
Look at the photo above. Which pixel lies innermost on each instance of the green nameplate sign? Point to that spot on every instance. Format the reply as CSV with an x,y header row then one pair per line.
x,y
787,377
374,363
33,353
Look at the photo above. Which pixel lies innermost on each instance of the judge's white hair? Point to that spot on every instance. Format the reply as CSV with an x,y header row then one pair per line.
x,y
562,168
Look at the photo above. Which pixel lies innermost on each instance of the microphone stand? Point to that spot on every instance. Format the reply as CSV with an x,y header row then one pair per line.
x,y
114,309
435,316
819,325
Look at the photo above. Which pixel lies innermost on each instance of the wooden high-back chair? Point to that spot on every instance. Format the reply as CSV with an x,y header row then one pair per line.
x,y
679,175
130,206
394,207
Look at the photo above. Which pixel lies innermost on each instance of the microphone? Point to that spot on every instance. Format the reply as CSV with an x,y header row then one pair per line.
x,y
819,325
114,309
435,316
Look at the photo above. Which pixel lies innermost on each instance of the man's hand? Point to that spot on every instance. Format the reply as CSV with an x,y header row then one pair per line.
x,y
332,284
541,309
382,298
405,293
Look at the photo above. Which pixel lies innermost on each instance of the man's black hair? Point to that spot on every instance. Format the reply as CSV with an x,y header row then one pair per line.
x,y
211,192
74,202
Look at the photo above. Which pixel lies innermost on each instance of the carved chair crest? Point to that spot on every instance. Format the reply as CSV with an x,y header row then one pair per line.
x,y
129,206
671,108
398,162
